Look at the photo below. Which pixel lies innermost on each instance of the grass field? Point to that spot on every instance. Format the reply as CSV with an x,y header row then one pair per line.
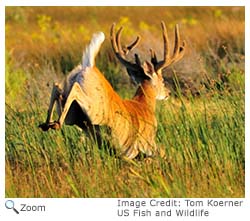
x,y
201,126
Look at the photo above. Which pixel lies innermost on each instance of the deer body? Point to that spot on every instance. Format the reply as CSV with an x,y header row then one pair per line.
x,y
87,99
132,122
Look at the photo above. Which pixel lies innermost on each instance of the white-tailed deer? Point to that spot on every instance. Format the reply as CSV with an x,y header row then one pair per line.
x,y
87,99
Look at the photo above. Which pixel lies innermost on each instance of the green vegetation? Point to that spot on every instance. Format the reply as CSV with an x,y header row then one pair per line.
x,y
201,127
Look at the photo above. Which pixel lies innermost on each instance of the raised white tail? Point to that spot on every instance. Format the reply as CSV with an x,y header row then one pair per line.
x,y
88,58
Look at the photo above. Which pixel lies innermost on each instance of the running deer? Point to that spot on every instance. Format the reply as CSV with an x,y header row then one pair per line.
x,y
87,99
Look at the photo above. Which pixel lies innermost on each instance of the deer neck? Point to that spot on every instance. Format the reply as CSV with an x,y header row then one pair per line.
x,y
146,94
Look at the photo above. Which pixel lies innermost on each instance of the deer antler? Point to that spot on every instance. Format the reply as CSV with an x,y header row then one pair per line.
x,y
121,52
177,53
136,69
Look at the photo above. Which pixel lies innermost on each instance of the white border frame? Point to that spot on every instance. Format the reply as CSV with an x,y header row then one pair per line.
x,y
107,208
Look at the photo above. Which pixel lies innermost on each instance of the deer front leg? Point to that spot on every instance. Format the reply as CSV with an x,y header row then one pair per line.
x,y
56,96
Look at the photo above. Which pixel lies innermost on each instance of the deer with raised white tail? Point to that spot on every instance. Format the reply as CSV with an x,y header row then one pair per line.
x,y
87,99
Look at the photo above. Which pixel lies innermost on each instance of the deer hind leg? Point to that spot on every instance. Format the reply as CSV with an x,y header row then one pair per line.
x,y
76,95
56,97
72,112
75,111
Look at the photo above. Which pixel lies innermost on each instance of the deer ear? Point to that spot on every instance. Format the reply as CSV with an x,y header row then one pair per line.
x,y
148,69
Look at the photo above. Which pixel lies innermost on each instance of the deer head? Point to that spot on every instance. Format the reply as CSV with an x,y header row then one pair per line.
x,y
150,71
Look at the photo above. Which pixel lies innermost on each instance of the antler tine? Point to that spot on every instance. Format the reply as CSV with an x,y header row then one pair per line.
x,y
166,51
178,50
177,39
133,44
137,60
166,42
120,53
118,40
112,37
153,57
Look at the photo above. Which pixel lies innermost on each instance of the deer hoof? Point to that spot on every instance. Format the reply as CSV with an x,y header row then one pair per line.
x,y
55,125
44,126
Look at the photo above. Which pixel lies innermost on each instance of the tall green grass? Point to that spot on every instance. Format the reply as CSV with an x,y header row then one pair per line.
x,y
203,139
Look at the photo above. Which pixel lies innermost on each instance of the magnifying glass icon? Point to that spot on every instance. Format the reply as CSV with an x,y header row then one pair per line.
x,y
9,204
